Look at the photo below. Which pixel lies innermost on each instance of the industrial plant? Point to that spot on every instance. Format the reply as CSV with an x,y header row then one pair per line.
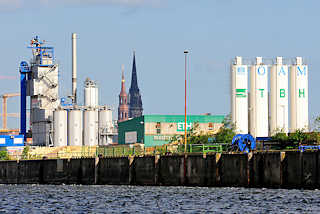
x,y
54,121
263,110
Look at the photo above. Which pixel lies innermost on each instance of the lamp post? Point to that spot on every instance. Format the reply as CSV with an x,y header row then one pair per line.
x,y
185,100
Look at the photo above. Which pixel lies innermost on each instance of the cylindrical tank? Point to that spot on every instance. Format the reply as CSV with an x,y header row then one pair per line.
x,y
91,95
75,127
90,127
239,96
105,125
279,97
299,118
258,108
60,127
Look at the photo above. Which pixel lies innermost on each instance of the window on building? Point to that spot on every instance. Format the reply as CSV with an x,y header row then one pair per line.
x,y
158,127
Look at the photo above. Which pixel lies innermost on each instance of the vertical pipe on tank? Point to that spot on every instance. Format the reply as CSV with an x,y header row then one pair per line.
x,y
279,97
90,125
239,102
75,127
60,124
233,94
74,68
299,118
259,99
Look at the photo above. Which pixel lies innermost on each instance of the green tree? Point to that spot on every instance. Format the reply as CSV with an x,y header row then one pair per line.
x,y
25,152
299,136
226,132
280,136
4,155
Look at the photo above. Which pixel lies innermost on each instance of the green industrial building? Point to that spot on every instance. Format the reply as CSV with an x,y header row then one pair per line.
x,y
155,130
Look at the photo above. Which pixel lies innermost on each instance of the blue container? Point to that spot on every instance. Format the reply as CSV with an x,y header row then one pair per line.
x,y
11,140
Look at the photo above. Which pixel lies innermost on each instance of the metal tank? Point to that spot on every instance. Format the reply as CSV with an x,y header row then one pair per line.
x,y
60,127
299,118
258,108
239,95
75,127
105,126
279,97
91,95
90,127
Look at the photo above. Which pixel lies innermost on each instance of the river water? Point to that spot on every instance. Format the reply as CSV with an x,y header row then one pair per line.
x,y
145,199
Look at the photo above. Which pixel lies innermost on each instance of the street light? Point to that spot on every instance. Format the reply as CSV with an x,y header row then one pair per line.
x,y
185,100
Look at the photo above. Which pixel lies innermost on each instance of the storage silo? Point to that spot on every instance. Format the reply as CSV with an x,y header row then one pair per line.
x,y
258,109
90,127
91,95
60,128
105,126
279,97
75,127
239,95
299,96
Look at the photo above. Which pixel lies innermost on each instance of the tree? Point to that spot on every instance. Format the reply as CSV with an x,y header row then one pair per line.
x,y
25,152
226,132
280,136
299,136
4,155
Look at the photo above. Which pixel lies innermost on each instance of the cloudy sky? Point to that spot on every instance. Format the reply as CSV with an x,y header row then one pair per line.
x,y
215,31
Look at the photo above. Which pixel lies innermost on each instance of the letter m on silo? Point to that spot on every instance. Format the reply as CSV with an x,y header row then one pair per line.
x,y
302,72
241,92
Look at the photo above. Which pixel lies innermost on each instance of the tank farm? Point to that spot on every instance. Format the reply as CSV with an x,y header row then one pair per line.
x,y
268,96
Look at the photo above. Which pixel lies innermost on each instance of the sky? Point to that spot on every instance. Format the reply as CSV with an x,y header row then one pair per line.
x,y
214,31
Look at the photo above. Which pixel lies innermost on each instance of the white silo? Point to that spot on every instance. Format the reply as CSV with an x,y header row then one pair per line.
x,y
239,96
258,109
75,127
105,126
90,127
60,128
91,95
299,118
279,97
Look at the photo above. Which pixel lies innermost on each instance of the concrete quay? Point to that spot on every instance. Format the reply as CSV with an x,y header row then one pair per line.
x,y
292,169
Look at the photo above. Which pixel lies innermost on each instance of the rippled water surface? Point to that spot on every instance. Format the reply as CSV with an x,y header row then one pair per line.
x,y
139,199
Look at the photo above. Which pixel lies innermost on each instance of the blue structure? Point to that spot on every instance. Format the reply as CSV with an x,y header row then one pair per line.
x,y
40,51
245,142
11,140
63,102
24,71
312,147
40,54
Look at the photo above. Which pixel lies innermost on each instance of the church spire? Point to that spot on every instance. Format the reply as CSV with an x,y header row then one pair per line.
x,y
135,104
134,81
123,109
123,87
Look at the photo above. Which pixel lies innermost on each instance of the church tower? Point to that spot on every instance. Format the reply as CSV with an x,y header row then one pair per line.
x,y
123,109
135,103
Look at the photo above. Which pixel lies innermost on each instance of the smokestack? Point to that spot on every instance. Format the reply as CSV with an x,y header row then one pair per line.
x,y
74,68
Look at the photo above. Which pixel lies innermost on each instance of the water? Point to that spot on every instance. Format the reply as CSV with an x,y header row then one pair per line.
x,y
140,199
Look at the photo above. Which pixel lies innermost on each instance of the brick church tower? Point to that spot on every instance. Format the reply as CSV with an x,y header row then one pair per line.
x,y
123,109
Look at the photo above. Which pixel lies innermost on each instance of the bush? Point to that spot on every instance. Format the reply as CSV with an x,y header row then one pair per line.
x,y
226,132
25,152
4,155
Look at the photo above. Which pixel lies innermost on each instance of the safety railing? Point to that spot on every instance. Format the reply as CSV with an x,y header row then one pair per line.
x,y
122,151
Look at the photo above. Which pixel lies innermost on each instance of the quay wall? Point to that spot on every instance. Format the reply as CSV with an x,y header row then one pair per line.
x,y
292,169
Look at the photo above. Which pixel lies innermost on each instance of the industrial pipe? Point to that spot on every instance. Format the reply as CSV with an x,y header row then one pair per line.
x,y
74,68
